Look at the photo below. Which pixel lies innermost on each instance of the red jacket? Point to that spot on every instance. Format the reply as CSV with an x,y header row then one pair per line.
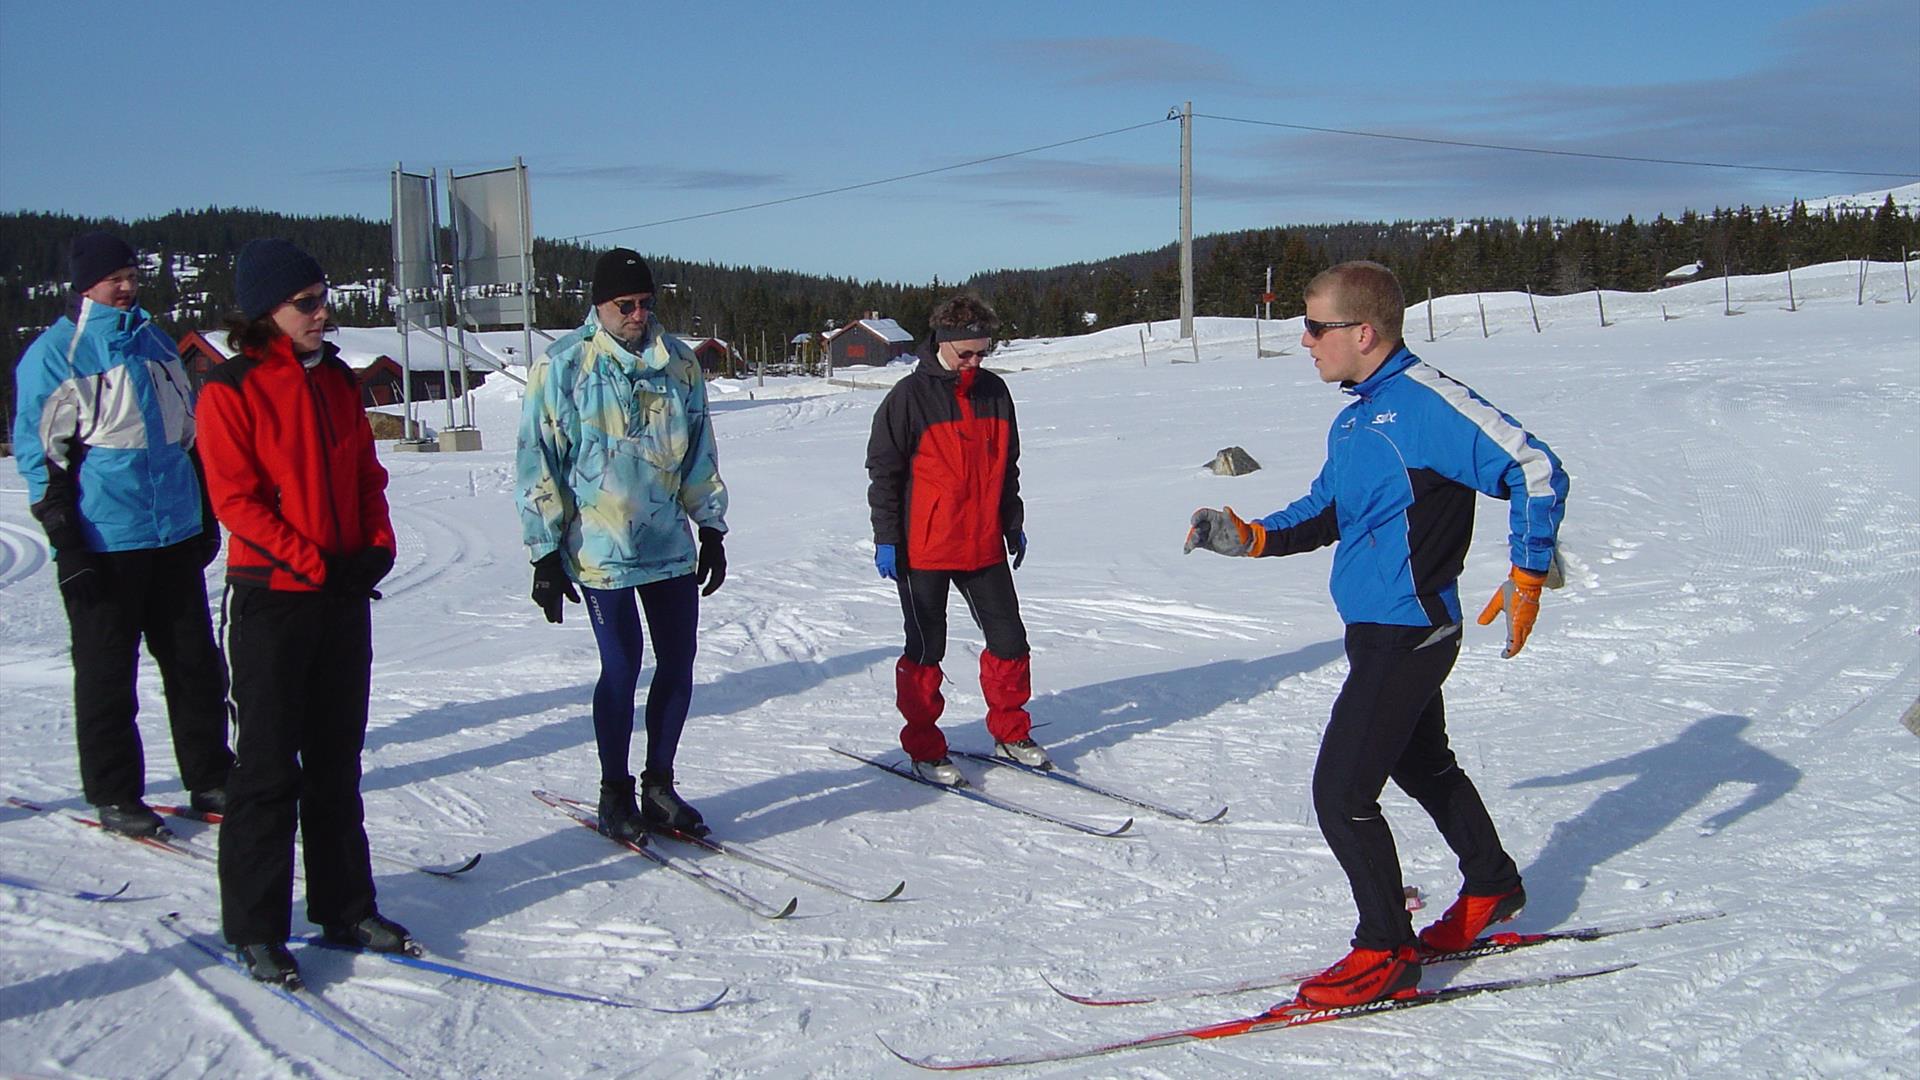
x,y
943,464
290,466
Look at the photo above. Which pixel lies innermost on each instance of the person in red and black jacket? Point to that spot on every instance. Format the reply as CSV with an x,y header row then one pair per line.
x,y
293,477
943,465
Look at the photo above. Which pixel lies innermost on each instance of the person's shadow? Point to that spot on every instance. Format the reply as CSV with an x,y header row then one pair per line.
x,y
1668,781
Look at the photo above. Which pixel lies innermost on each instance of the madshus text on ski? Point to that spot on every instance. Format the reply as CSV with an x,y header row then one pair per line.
x,y
141,484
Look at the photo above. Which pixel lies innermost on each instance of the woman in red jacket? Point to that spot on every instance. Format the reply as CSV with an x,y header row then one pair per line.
x,y
293,477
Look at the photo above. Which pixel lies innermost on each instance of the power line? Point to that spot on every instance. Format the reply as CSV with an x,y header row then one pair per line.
x,y
871,183
1555,153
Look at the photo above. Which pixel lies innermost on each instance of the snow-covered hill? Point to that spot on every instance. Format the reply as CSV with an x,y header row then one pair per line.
x,y
1706,719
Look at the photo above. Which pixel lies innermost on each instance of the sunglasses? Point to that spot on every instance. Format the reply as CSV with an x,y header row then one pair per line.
x,y
307,305
627,307
969,354
1315,327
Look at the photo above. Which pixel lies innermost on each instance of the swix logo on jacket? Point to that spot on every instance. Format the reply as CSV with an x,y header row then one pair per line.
x,y
290,466
943,467
1404,459
104,423
616,454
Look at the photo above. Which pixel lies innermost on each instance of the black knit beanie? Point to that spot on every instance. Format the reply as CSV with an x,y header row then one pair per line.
x,y
270,270
94,255
620,272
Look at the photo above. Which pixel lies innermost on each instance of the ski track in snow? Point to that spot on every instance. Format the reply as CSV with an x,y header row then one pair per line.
x,y
1706,717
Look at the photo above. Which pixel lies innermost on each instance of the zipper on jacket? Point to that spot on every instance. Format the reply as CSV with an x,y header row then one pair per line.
x,y
326,456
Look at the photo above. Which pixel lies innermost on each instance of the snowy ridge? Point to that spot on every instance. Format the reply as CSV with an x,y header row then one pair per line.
x,y
1707,717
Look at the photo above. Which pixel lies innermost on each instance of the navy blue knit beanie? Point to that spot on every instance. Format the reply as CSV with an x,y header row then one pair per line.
x,y
270,270
94,255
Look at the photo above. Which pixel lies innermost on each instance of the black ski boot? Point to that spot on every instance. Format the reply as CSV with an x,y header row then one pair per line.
x,y
270,964
210,801
663,808
619,817
375,933
131,819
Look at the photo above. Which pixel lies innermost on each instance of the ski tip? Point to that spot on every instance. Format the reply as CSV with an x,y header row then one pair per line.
x,y
454,871
921,1063
1078,999
704,1006
1124,826
1218,814
897,890
788,910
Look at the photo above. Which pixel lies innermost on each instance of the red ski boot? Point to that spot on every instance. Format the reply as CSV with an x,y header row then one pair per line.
x,y
1468,918
1363,975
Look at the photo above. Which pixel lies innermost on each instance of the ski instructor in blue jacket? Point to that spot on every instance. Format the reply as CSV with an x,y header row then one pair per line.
x,y
1404,461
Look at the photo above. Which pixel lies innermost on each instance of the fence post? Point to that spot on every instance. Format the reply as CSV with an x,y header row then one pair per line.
x,y
1143,348
1726,292
1906,272
1791,305
1429,313
1534,310
1601,301
1862,299
1483,314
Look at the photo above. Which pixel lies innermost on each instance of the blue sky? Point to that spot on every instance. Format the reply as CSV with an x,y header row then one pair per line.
x,y
634,113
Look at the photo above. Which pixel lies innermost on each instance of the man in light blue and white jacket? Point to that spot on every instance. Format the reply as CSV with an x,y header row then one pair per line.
x,y
104,439
1406,460
615,459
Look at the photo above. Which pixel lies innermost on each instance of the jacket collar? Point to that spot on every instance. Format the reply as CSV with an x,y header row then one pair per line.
x,y
1397,361
92,318
652,356
930,365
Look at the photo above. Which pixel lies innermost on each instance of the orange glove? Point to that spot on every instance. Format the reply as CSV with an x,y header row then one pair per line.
x,y
1519,597
1222,531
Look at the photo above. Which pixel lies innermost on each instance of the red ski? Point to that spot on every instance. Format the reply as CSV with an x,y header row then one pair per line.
x,y
1281,1016
1494,944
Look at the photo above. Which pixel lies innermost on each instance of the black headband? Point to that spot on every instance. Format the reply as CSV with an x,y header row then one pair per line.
x,y
969,332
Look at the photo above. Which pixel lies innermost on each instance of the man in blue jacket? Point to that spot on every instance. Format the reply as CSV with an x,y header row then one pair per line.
x,y
103,438
1404,460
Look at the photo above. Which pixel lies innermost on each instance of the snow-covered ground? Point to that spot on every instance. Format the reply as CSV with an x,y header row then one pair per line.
x,y
1708,717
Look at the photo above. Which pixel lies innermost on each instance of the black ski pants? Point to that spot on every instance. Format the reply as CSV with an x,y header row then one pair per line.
x,y
990,599
1389,722
159,595
302,665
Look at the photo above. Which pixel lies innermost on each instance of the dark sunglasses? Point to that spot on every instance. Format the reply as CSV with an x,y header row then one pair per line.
x,y
626,307
307,305
969,354
1315,328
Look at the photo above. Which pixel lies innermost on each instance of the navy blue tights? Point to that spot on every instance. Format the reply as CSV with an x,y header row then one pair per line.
x,y
673,618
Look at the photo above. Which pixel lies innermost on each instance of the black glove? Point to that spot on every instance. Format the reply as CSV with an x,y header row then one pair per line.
x,y
550,583
358,573
208,545
712,569
1017,547
370,565
82,574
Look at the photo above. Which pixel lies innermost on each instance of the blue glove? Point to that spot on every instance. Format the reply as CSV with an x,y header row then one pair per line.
x,y
1017,547
883,558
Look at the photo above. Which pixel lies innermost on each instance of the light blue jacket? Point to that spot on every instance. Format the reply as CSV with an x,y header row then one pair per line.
x,y
615,455
104,424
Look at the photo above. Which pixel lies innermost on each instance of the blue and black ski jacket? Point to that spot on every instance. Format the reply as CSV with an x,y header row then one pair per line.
x,y
1404,459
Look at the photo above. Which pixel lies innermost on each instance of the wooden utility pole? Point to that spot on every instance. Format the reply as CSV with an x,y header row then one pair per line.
x,y
1186,221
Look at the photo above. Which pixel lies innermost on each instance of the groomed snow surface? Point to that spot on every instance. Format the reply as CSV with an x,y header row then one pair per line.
x,y
1707,717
